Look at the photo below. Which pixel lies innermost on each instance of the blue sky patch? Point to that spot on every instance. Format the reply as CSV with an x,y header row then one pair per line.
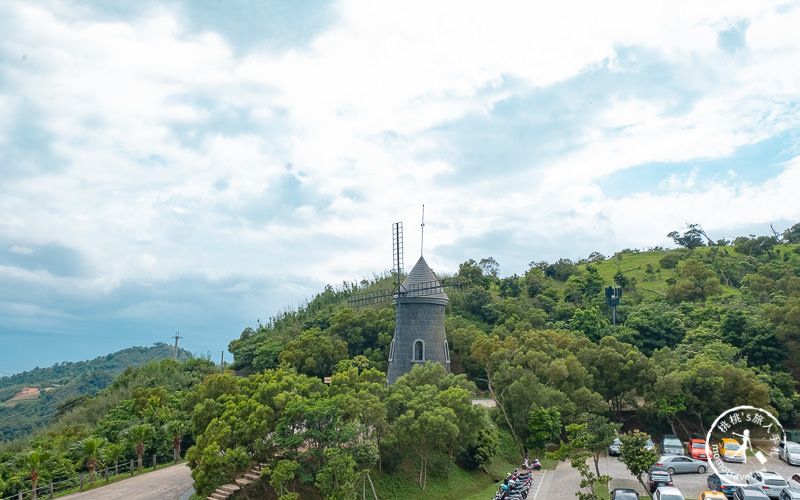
x,y
751,164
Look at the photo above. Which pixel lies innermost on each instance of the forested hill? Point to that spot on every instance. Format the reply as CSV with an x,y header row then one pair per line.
x,y
64,385
743,294
700,328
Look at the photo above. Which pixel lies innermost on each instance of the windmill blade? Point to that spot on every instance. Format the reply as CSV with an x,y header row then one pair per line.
x,y
429,288
369,298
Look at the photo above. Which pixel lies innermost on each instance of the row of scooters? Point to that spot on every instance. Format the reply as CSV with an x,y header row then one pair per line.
x,y
516,485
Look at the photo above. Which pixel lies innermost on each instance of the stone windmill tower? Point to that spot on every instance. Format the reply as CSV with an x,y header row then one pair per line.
x,y
420,302
419,333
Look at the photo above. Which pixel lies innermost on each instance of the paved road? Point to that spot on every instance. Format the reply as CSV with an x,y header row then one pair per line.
x,y
170,483
558,484
564,481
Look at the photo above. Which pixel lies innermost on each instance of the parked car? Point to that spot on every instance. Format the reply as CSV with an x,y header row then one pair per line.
x,y
796,478
697,449
789,494
723,482
614,447
676,464
712,495
624,494
770,483
748,493
668,493
671,445
659,478
730,450
789,451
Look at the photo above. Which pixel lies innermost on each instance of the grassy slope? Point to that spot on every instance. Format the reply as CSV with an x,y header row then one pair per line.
x,y
459,485
634,265
654,285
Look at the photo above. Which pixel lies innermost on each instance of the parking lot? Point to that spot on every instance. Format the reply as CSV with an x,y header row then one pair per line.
x,y
693,484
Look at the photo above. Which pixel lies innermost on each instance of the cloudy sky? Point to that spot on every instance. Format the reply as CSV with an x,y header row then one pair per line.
x,y
198,165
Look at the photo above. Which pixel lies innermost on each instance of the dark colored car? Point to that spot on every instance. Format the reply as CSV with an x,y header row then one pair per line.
x,y
659,478
624,494
671,445
726,483
614,447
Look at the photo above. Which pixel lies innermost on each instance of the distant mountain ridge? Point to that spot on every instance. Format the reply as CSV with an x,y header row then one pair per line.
x,y
112,362
68,382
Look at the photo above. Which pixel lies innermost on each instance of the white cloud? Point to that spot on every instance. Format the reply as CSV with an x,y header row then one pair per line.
x,y
21,250
679,183
177,157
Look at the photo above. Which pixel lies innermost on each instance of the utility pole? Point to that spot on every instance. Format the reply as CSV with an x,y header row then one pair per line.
x,y
175,349
221,361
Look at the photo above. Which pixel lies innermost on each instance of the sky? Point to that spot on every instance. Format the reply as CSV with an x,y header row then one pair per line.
x,y
199,166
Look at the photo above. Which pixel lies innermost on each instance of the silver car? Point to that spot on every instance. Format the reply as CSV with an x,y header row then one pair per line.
x,y
677,464
790,452
789,494
770,483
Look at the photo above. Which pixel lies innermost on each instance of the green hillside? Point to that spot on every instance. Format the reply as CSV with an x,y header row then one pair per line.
x,y
64,385
699,328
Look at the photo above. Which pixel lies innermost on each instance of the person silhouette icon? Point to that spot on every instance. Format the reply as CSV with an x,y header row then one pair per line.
x,y
746,444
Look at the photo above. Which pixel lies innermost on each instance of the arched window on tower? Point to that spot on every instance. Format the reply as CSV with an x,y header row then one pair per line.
x,y
419,351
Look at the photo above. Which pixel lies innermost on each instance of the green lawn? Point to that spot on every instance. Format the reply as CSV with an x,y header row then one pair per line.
x,y
455,484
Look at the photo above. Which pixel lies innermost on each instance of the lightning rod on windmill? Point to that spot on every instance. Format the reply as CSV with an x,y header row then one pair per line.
x,y
422,230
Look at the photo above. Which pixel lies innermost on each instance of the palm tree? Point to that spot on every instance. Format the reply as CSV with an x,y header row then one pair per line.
x,y
137,435
177,429
89,449
33,462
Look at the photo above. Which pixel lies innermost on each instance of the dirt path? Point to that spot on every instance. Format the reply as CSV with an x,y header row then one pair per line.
x,y
170,483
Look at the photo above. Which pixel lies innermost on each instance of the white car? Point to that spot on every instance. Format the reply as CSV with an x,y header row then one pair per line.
x,y
668,493
789,494
790,452
770,483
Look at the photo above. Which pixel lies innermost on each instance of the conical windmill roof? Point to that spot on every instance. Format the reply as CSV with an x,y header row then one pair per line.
x,y
421,284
